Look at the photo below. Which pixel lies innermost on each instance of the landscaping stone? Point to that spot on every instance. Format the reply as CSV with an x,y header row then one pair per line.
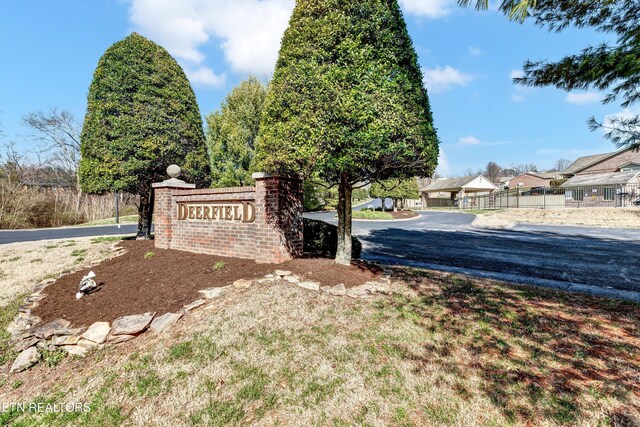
x,y
292,279
338,290
97,332
242,283
75,350
325,289
130,325
213,292
165,321
187,308
282,273
26,343
42,285
375,286
312,286
51,328
23,326
88,344
66,340
70,331
360,291
269,276
117,339
26,359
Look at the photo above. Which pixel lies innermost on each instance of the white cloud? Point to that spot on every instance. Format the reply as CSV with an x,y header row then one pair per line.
x,y
428,8
470,140
475,51
515,74
443,169
248,31
442,79
583,98
204,76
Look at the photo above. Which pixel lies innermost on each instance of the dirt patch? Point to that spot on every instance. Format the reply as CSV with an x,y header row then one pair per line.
x,y
403,214
147,279
592,217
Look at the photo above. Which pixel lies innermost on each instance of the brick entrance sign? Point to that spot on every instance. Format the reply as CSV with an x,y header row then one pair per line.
x,y
262,222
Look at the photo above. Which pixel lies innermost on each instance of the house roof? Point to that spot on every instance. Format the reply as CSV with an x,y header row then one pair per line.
x,y
610,178
586,161
502,179
469,183
548,175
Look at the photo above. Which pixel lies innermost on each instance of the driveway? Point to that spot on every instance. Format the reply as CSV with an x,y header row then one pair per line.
x,y
600,261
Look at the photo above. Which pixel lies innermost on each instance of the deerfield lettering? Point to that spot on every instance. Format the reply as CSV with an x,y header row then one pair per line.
x,y
217,211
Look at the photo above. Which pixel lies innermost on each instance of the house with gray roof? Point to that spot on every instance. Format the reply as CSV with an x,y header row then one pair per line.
x,y
449,191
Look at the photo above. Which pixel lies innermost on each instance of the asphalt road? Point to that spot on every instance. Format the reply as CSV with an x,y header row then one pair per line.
x,y
596,260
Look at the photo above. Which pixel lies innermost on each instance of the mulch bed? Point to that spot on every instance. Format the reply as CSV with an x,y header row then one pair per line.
x,y
132,284
403,214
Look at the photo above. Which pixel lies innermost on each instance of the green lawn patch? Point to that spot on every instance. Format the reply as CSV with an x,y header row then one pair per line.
x,y
367,214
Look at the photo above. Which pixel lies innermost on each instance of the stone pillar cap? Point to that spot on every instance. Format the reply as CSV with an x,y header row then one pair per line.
x,y
172,183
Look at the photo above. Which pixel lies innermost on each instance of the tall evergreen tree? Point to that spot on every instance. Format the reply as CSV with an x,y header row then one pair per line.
x,y
231,134
141,117
347,102
611,66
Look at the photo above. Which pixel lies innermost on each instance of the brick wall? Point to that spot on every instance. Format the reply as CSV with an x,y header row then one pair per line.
x,y
274,236
528,181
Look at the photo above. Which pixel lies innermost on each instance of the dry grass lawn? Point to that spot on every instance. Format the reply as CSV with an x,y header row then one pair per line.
x,y
593,217
23,265
444,350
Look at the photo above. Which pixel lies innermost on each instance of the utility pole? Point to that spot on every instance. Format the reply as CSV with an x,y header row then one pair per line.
x,y
117,213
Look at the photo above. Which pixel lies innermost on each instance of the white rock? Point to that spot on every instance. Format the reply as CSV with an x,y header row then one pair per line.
x,y
163,322
312,286
269,276
187,308
83,342
76,350
97,332
214,292
242,283
338,290
26,359
292,279
131,325
282,273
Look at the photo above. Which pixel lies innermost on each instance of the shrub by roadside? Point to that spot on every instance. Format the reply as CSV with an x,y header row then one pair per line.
x,y
321,239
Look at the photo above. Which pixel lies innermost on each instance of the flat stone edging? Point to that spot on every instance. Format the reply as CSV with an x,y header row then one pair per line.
x,y
28,335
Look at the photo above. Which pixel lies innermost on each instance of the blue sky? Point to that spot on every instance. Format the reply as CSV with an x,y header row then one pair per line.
x,y
49,50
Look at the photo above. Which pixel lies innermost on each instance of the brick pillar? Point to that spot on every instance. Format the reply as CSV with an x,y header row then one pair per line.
x,y
165,211
278,218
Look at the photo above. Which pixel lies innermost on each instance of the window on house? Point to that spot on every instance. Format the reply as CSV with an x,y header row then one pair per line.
x,y
608,193
578,195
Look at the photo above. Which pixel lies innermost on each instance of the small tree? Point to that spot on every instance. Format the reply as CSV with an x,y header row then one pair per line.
x,y
231,134
141,117
561,165
492,171
347,102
